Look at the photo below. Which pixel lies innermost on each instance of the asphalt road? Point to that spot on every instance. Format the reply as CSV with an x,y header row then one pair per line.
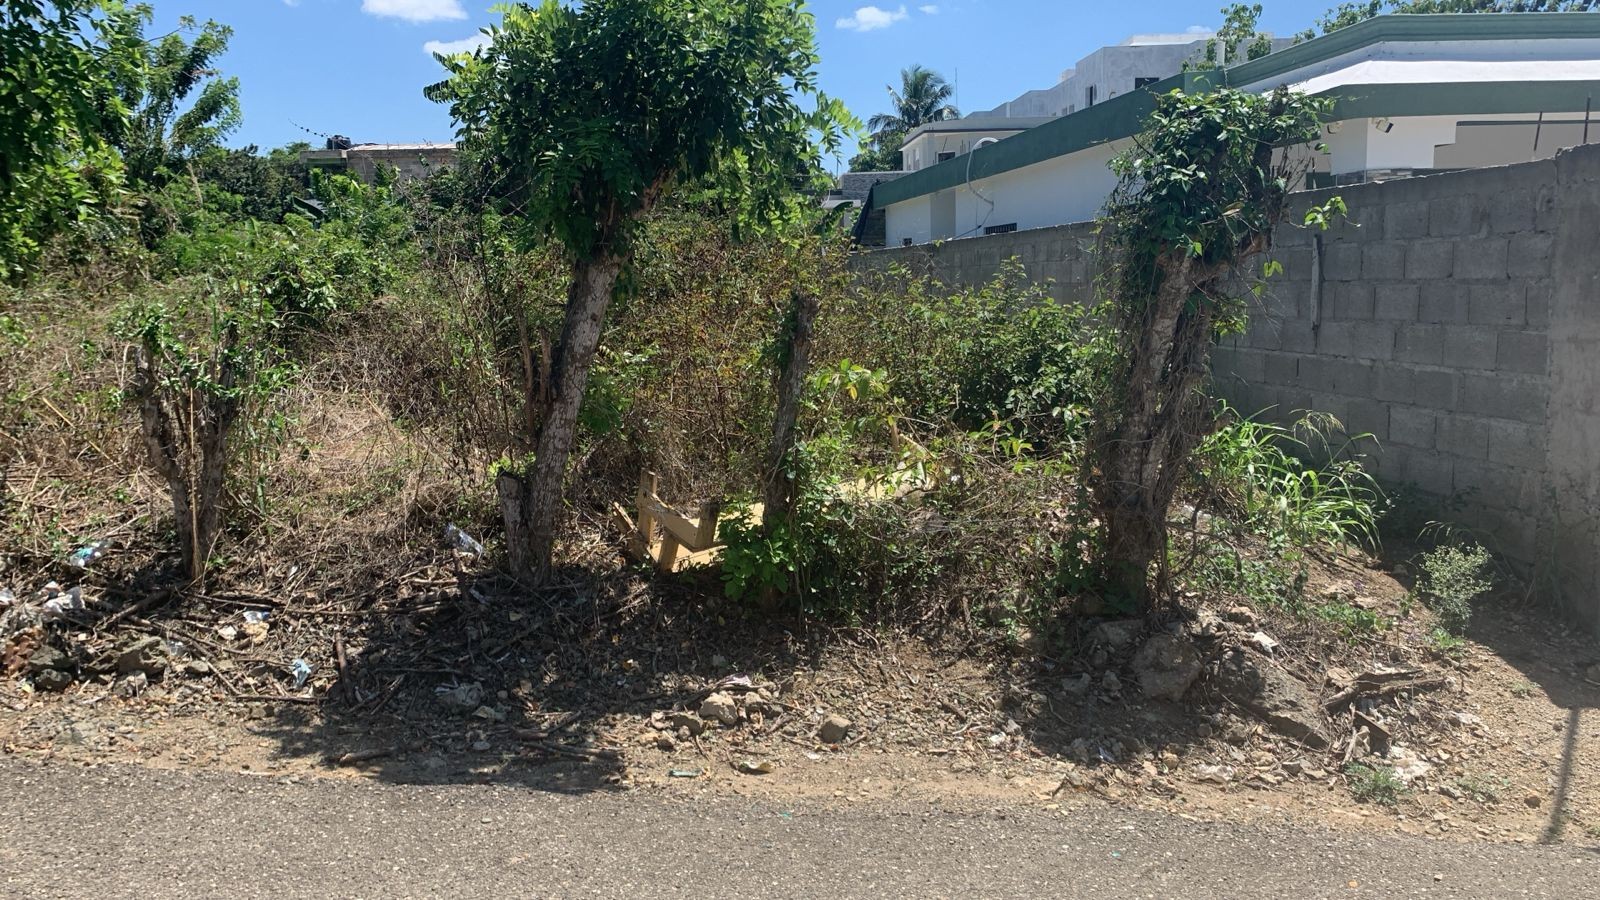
x,y
130,832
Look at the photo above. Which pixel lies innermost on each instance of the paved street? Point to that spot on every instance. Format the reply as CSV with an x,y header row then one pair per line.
x,y
128,832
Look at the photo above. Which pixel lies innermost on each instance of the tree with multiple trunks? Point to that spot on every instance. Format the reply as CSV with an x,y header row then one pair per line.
x,y
589,114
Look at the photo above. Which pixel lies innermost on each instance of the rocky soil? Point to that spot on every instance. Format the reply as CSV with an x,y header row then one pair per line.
x,y
1222,711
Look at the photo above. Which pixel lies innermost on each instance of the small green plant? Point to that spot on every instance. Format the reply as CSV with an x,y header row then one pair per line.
x,y
1522,689
1484,788
1445,643
1453,577
1374,784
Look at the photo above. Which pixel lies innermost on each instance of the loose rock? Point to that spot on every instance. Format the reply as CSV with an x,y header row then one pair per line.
x,y
1166,666
1076,685
52,680
834,729
1110,683
1278,698
688,722
46,658
146,654
463,698
720,707
1119,634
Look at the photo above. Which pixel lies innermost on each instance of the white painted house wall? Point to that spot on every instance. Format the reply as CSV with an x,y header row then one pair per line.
x,y
923,150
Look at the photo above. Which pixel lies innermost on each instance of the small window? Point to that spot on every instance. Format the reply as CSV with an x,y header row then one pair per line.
x,y
1088,96
1001,229
946,155
1141,83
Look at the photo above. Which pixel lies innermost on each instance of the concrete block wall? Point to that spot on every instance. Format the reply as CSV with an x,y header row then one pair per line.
x,y
1454,317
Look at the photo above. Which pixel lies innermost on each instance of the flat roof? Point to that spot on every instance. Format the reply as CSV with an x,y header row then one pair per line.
x,y
1122,116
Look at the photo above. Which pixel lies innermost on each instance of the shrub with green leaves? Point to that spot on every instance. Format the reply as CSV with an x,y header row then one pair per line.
x,y
1259,471
1454,576
1374,784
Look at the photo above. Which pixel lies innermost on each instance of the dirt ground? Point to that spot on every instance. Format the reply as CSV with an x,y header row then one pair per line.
x,y
458,677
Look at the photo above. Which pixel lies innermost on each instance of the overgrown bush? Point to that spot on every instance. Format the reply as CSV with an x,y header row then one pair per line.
x,y
1453,577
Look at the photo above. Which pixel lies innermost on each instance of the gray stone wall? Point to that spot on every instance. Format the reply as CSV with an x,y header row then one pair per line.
x,y
1454,317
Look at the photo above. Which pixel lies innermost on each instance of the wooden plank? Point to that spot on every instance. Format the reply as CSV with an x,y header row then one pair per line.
x,y
682,529
646,522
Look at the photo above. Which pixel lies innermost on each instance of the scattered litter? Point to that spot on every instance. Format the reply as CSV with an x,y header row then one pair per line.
x,y
83,556
1105,755
228,632
462,541
256,617
751,767
1217,774
685,773
58,603
460,697
997,739
1408,766
301,670
489,714
1264,642
7,599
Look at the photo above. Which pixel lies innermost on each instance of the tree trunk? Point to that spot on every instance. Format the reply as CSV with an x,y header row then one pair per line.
x,y
1142,458
531,501
186,436
778,488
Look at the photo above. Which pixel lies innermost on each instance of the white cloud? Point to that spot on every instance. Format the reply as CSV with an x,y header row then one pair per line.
x,y
929,10
871,18
465,45
415,10
1197,29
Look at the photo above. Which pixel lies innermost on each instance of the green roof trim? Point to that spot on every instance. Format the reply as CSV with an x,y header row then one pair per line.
x,y
1123,116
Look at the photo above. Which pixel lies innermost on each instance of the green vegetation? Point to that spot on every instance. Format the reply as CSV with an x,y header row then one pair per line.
x,y
590,295
1453,577
923,97
1374,784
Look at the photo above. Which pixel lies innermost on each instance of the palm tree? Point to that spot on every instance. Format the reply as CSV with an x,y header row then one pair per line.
x,y
923,97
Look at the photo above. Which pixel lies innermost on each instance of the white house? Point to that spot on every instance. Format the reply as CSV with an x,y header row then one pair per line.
x,y
1411,94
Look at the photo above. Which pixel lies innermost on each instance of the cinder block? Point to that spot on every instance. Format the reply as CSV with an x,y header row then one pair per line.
x,y
1484,483
1281,368
1463,436
1403,221
1383,260
1367,417
1517,444
1442,302
1341,261
1469,346
1296,336
1397,302
1528,255
1523,351
1537,301
1513,211
1249,365
1336,376
1361,340
1284,300
1483,258
1412,426
1419,344
1398,383
1462,214
1436,388
1430,471
1499,304
1296,263
1520,398
1431,260
1347,300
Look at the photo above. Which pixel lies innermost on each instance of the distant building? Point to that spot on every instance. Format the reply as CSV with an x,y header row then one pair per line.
x,y
1411,94
363,160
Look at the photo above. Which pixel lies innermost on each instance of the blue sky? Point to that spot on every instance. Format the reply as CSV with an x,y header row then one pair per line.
x,y
357,67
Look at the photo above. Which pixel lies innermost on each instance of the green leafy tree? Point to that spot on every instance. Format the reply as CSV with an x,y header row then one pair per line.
x,y
1198,197
1347,14
1237,34
593,113
56,104
179,103
255,186
878,154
